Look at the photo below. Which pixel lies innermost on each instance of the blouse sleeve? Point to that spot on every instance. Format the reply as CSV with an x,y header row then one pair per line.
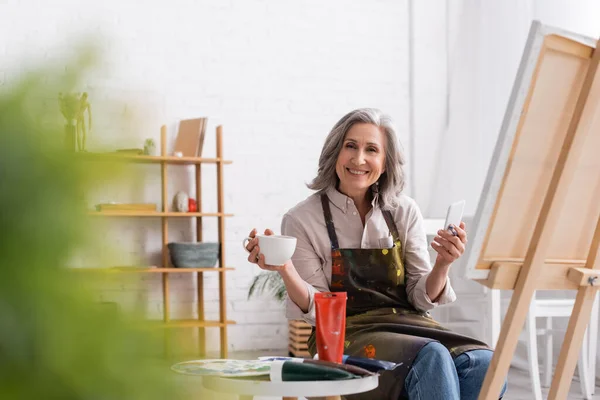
x,y
418,266
309,266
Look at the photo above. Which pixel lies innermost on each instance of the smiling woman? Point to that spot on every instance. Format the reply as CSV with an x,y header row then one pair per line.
x,y
361,235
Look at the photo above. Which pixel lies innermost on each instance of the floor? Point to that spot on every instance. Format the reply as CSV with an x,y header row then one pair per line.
x,y
519,387
518,381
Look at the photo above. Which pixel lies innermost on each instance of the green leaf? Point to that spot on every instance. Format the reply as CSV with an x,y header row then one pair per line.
x,y
268,282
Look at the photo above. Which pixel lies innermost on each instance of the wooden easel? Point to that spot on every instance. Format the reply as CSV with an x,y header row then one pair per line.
x,y
538,221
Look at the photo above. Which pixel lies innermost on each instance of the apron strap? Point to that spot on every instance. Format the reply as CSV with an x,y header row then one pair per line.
x,y
329,222
389,220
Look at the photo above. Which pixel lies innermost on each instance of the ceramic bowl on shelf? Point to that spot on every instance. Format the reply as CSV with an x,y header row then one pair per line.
x,y
194,254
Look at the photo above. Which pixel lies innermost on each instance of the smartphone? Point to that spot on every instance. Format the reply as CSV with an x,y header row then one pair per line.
x,y
454,216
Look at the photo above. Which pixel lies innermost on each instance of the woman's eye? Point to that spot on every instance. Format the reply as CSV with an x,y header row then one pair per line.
x,y
373,149
350,145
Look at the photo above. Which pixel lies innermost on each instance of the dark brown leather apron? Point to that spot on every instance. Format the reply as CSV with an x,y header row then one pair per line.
x,y
381,322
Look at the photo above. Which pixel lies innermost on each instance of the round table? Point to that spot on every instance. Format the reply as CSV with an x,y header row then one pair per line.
x,y
246,389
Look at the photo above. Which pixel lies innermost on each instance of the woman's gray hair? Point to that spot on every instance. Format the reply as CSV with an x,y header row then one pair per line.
x,y
390,183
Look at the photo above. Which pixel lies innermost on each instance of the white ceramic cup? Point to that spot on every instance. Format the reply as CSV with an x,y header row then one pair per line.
x,y
277,249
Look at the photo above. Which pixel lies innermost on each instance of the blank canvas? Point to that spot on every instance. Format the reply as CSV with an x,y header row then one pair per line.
x,y
542,102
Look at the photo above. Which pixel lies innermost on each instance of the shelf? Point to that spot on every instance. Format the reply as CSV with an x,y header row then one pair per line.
x,y
189,323
156,214
162,212
141,159
152,270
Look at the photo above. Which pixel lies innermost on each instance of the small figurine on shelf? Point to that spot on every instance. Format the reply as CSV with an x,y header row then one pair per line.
x,y
73,107
181,202
149,147
192,206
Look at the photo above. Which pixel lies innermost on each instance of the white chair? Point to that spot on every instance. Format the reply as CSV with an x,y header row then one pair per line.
x,y
491,307
586,364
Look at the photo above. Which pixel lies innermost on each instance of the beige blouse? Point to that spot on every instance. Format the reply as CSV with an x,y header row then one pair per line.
x,y
312,257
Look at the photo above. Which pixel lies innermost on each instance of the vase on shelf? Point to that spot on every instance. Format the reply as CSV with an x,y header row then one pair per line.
x,y
149,147
73,107
181,202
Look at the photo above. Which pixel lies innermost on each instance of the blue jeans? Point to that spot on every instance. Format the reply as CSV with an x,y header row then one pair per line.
x,y
435,375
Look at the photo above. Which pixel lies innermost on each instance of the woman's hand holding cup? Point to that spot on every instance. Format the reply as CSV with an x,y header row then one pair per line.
x,y
278,250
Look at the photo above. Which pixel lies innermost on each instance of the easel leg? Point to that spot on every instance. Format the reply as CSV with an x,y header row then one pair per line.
x,y
507,343
572,343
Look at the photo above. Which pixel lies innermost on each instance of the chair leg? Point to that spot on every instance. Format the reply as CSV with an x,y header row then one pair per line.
x,y
548,356
593,345
582,368
494,313
532,353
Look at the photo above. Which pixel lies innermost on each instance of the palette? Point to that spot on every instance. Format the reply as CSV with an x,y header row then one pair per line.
x,y
223,367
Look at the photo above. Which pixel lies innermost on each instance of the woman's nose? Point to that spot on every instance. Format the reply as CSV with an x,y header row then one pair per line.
x,y
359,159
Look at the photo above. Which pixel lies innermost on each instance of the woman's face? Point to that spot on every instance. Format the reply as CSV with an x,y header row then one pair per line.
x,y
362,159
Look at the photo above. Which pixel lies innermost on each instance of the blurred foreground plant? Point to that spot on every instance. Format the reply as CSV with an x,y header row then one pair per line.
x,y
56,341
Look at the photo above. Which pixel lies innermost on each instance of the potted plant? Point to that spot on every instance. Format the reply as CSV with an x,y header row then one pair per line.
x,y
149,147
299,331
268,281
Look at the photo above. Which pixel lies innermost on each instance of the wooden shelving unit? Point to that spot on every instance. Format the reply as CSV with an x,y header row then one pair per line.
x,y
192,323
152,269
156,214
164,160
155,159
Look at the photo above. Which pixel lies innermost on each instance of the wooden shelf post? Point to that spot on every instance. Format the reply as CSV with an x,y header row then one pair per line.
x,y
200,275
220,209
165,234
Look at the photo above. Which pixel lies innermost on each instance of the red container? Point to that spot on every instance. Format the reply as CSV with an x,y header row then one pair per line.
x,y
330,310
192,205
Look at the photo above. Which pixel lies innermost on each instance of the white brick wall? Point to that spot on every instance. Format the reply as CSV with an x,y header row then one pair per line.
x,y
276,74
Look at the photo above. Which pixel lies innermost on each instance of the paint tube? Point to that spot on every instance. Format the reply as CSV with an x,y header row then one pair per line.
x,y
330,325
369,364
287,371
353,369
